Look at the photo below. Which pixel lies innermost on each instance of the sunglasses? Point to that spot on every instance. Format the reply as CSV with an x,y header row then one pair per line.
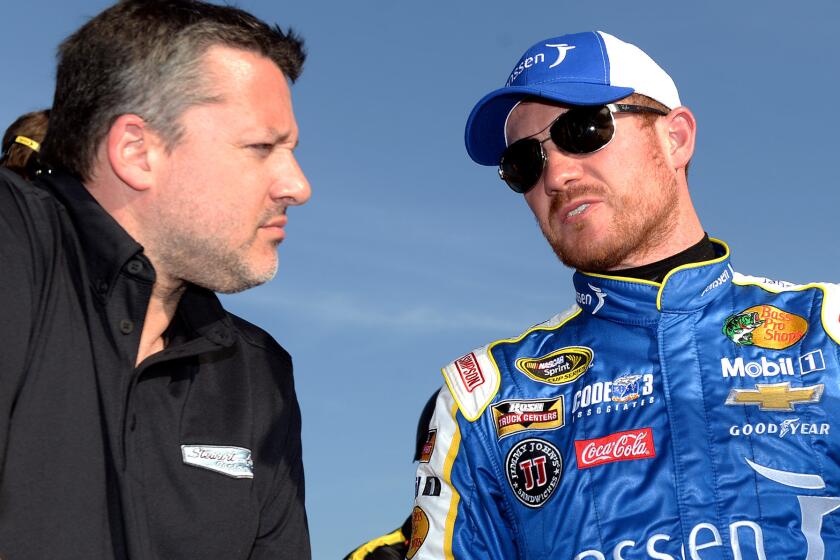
x,y
583,129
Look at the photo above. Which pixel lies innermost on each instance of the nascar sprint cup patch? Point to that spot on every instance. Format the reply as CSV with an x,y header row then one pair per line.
x,y
533,468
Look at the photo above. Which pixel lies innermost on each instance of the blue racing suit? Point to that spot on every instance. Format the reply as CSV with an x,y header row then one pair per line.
x,y
697,418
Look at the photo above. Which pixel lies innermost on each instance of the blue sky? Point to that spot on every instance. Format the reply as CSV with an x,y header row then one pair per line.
x,y
409,255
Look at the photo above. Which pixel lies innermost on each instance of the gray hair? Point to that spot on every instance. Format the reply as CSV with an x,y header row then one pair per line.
x,y
145,57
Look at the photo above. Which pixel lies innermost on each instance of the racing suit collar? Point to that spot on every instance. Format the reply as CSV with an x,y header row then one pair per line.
x,y
685,289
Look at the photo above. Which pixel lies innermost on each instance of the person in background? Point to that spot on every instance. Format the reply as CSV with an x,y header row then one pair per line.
x,y
679,409
138,418
395,545
22,142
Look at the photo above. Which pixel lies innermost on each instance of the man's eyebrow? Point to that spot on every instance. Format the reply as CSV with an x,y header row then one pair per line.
x,y
278,138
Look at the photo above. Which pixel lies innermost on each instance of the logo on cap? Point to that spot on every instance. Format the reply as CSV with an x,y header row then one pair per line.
x,y
562,49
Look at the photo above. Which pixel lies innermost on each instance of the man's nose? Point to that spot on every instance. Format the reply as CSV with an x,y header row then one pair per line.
x,y
560,169
291,185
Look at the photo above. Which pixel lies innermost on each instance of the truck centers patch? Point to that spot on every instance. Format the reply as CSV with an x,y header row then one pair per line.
x,y
515,416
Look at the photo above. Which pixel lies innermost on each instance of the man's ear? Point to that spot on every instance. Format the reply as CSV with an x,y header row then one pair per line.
x,y
682,132
130,146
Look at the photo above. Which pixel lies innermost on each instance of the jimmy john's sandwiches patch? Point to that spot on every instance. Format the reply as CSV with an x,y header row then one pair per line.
x,y
533,468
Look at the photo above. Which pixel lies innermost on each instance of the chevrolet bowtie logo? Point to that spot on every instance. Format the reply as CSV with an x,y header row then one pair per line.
x,y
775,396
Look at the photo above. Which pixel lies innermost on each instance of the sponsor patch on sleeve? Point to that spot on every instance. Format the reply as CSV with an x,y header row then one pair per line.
x,y
473,380
428,446
419,531
470,372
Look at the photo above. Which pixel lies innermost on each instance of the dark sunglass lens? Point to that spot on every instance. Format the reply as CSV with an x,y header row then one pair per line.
x,y
583,130
522,164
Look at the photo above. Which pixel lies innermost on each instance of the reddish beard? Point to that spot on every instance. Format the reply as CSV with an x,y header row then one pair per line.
x,y
639,224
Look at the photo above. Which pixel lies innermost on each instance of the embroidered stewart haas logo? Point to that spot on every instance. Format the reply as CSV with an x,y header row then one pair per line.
x,y
469,371
620,446
232,461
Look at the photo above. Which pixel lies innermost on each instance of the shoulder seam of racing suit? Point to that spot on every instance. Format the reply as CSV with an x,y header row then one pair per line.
x,y
830,311
473,401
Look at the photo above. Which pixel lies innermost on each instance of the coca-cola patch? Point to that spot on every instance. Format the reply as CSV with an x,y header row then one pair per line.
x,y
620,446
533,468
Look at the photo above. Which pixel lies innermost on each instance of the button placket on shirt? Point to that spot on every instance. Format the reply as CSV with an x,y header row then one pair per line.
x,y
134,266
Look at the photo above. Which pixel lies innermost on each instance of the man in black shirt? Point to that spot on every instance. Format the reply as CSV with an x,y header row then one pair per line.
x,y
138,419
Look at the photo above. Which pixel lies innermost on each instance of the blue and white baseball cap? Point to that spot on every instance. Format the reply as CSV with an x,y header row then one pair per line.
x,y
589,68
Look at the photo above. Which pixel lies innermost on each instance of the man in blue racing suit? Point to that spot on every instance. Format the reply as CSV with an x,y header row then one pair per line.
x,y
679,410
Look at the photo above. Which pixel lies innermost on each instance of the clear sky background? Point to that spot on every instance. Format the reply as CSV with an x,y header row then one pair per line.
x,y
409,255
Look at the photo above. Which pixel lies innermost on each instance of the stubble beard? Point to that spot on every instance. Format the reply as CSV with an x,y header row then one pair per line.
x,y
208,262
638,228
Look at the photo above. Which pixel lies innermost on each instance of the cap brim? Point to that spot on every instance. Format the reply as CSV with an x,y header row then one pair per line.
x,y
485,132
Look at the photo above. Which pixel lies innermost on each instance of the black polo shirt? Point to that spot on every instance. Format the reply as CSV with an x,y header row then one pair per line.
x,y
195,453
